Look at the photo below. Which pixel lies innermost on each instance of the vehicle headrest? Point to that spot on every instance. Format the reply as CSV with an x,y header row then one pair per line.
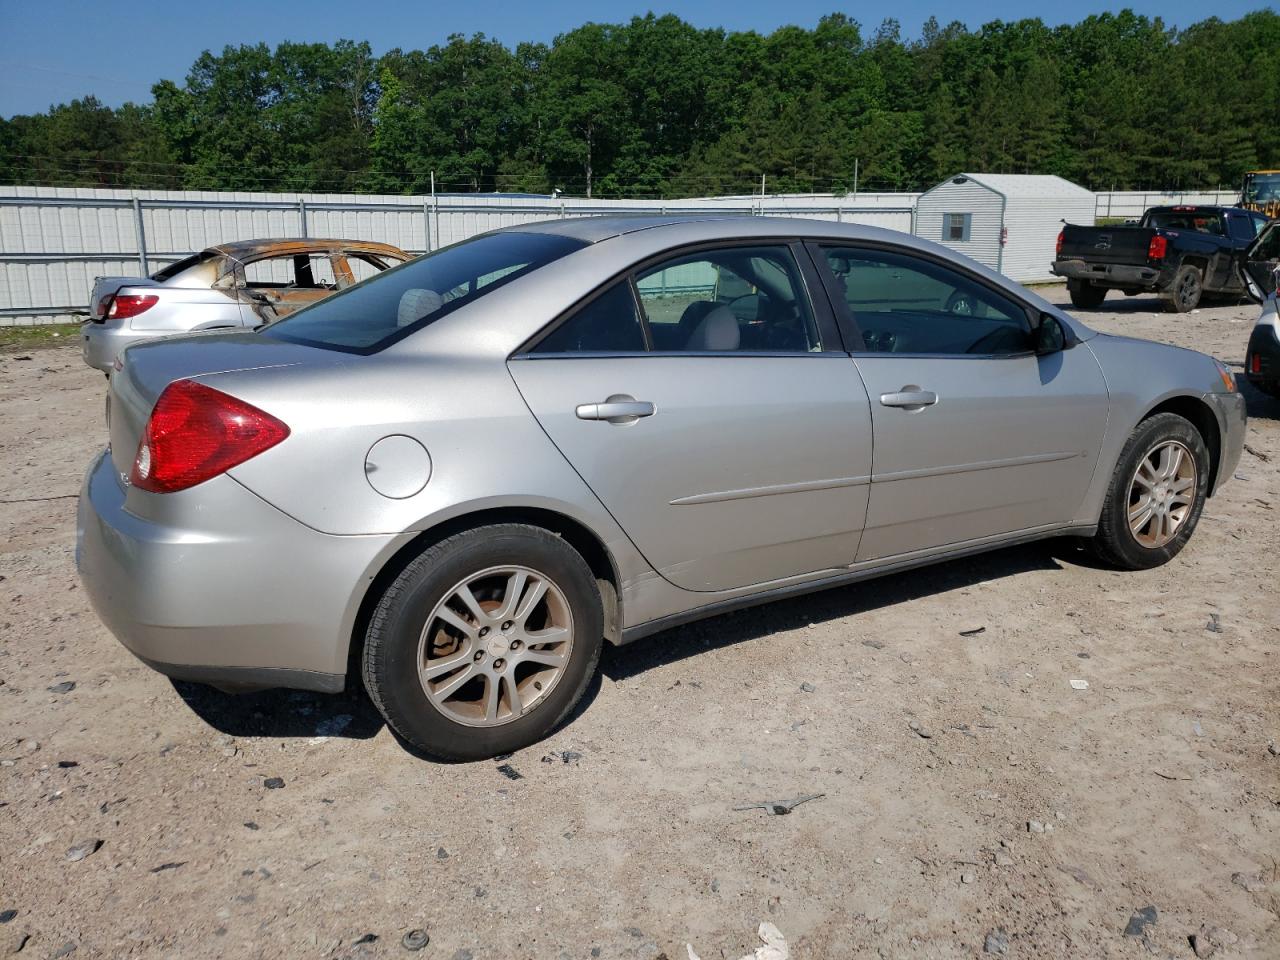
x,y
717,331
417,303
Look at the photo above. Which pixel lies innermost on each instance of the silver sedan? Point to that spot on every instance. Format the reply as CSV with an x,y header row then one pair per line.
x,y
463,476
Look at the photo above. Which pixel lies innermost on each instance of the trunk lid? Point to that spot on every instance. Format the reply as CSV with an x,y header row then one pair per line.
x,y
150,367
104,288
1121,244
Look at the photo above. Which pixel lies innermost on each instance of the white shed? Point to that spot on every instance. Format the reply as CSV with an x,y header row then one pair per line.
x,y
1008,221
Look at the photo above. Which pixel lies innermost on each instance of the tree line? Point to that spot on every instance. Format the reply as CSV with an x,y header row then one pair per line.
x,y
658,107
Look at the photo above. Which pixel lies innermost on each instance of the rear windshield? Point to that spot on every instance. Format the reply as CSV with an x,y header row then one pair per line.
x,y
173,269
378,311
1200,221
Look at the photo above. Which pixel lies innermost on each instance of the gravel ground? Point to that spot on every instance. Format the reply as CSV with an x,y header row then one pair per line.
x,y
137,817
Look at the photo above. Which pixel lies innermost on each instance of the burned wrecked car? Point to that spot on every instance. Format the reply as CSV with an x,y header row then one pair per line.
x,y
243,284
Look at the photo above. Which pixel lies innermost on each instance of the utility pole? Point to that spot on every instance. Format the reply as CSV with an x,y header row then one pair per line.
x,y
435,209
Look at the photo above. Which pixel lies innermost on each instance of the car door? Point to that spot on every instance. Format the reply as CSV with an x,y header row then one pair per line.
x,y
975,435
1257,265
711,409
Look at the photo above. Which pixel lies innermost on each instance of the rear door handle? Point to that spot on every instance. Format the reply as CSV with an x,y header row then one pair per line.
x,y
616,410
909,397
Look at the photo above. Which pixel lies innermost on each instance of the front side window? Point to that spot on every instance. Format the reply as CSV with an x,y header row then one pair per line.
x,y
364,265
369,316
910,305
734,299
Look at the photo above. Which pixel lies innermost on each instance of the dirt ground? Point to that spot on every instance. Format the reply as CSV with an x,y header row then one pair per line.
x,y
1153,787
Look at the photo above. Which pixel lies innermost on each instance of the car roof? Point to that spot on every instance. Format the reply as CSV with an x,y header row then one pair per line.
x,y
1192,207
280,247
694,228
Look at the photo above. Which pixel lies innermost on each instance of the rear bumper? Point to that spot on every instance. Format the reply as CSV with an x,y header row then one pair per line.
x,y
241,596
1114,276
1262,359
101,344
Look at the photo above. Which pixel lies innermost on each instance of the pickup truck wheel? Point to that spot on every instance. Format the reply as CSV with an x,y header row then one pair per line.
x,y
1156,495
1085,295
1184,293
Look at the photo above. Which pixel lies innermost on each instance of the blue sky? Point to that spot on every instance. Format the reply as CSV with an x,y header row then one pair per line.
x,y
52,51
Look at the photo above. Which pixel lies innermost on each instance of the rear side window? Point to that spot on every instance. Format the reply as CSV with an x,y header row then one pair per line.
x,y
610,323
372,315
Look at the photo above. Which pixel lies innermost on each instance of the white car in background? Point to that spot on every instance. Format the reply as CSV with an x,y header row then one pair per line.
x,y
244,284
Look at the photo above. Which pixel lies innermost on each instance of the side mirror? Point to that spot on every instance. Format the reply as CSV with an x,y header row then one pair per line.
x,y
1049,336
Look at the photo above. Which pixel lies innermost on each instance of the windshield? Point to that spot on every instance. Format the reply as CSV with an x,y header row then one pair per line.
x,y
378,311
1201,221
1261,188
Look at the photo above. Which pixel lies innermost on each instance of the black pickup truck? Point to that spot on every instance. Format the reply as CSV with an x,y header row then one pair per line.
x,y
1179,252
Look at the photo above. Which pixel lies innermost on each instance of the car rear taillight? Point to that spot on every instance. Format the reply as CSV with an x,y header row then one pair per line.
x,y
195,433
1061,234
130,305
1255,363
1157,248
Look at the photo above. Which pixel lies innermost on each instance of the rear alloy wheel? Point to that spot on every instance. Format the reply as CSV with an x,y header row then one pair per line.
x,y
1085,295
1185,291
1157,493
485,642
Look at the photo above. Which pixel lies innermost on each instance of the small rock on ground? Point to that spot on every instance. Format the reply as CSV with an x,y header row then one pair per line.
x,y
997,942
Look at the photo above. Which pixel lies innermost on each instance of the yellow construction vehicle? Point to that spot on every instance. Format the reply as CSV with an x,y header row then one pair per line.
x,y
1261,192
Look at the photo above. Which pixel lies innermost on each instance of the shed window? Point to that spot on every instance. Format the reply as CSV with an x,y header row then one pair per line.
x,y
955,226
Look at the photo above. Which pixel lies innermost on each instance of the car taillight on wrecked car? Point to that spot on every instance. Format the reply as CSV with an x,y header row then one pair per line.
x,y
195,433
128,305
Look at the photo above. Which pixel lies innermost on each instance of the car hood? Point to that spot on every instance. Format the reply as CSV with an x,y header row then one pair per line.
x,y
1145,368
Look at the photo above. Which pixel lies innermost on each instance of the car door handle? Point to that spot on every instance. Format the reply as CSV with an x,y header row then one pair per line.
x,y
910,397
616,411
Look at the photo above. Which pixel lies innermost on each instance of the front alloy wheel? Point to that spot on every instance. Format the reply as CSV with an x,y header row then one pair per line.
x,y
1156,495
1162,494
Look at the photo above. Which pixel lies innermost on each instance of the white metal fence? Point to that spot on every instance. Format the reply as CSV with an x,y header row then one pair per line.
x,y
1129,204
55,240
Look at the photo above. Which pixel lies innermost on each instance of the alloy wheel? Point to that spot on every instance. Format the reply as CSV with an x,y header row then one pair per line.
x,y
495,646
1162,493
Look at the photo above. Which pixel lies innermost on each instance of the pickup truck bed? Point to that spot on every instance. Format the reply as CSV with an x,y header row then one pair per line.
x,y
1180,253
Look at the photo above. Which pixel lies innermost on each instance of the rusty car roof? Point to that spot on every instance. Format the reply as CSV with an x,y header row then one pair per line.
x,y
245,249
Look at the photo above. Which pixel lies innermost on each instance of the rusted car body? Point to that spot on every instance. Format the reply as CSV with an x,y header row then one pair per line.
x,y
243,284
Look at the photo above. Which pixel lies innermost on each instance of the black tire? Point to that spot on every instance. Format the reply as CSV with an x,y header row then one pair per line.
x,y
1085,295
392,640
1115,543
1185,291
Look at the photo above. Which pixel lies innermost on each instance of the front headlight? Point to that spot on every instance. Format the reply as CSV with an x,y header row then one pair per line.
x,y
1228,378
